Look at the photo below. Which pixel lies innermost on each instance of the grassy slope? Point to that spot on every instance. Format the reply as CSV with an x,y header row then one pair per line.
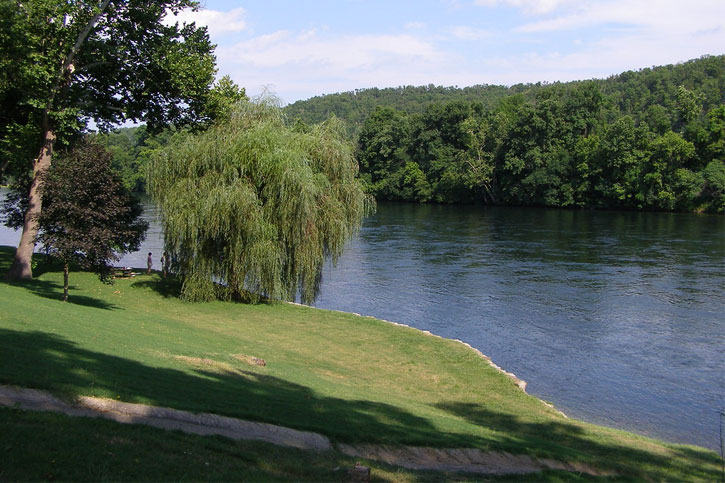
x,y
351,378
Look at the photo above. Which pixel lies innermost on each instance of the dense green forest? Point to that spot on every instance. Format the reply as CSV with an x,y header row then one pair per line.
x,y
652,139
132,149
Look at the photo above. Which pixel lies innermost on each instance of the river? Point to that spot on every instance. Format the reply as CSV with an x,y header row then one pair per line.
x,y
615,317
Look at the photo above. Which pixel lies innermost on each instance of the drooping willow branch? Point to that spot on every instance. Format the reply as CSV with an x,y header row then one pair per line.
x,y
254,207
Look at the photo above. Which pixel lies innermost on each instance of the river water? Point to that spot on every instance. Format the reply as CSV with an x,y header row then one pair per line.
x,y
617,318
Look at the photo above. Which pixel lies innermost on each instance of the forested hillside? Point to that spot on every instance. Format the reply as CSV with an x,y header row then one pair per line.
x,y
632,92
649,140
355,106
653,139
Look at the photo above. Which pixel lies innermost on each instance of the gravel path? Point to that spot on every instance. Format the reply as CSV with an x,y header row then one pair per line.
x,y
417,458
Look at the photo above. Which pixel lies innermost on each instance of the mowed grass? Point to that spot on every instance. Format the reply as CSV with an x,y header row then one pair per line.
x,y
354,379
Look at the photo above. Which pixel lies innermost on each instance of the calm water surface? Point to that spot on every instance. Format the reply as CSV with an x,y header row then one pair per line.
x,y
616,318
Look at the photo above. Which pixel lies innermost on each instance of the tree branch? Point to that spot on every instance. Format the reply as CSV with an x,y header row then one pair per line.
x,y
68,62
90,66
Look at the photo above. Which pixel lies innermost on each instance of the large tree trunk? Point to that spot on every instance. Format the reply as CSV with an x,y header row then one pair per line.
x,y
21,268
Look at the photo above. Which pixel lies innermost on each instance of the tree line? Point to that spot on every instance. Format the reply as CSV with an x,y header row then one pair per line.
x,y
651,140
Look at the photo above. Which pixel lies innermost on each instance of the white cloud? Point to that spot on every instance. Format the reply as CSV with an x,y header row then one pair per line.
x,y
608,37
530,7
341,53
308,63
415,26
604,57
664,16
219,23
612,36
464,32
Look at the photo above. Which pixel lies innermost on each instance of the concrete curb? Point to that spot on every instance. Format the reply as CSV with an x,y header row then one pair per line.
x,y
468,460
165,418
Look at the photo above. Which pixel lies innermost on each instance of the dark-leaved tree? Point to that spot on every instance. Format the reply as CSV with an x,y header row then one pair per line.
x,y
89,218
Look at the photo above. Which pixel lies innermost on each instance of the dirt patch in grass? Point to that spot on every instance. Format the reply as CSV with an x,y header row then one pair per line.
x,y
251,360
206,363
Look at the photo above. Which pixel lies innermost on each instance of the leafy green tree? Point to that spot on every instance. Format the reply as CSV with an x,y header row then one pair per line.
x,y
531,171
89,218
223,99
658,119
125,144
439,141
382,157
714,189
478,159
256,205
689,105
109,61
601,143
715,137
667,183
612,162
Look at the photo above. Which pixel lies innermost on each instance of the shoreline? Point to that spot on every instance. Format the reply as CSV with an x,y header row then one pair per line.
x,y
518,382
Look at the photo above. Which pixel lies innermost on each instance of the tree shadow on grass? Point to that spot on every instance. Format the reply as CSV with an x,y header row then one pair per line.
x,y
46,288
569,441
54,291
169,287
47,361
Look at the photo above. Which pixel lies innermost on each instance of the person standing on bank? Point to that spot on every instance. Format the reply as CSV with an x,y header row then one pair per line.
x,y
149,263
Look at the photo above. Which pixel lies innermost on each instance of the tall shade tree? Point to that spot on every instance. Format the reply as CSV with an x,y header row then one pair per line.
x,y
89,218
253,207
105,60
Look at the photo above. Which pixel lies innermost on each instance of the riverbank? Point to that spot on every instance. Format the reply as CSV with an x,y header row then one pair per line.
x,y
355,380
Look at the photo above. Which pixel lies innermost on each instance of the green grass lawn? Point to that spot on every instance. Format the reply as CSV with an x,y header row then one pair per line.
x,y
353,379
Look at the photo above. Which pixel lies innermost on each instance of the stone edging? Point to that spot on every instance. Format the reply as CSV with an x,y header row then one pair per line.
x,y
468,460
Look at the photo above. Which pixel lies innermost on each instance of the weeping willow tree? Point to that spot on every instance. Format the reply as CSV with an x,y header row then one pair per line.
x,y
254,207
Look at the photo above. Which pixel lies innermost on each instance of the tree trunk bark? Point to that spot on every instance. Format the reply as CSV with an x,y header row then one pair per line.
x,y
21,269
65,282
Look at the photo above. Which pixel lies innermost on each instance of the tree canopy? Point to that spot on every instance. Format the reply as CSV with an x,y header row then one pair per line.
x,y
106,60
646,140
634,142
252,207
132,147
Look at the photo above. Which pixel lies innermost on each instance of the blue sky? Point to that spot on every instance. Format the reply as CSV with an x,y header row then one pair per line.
x,y
300,49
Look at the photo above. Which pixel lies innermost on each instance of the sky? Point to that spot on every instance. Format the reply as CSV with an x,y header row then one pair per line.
x,y
298,49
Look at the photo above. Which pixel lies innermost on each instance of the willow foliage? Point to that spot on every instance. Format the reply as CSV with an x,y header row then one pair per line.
x,y
256,205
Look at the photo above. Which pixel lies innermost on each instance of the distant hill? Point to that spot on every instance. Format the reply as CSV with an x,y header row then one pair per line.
x,y
355,106
633,92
